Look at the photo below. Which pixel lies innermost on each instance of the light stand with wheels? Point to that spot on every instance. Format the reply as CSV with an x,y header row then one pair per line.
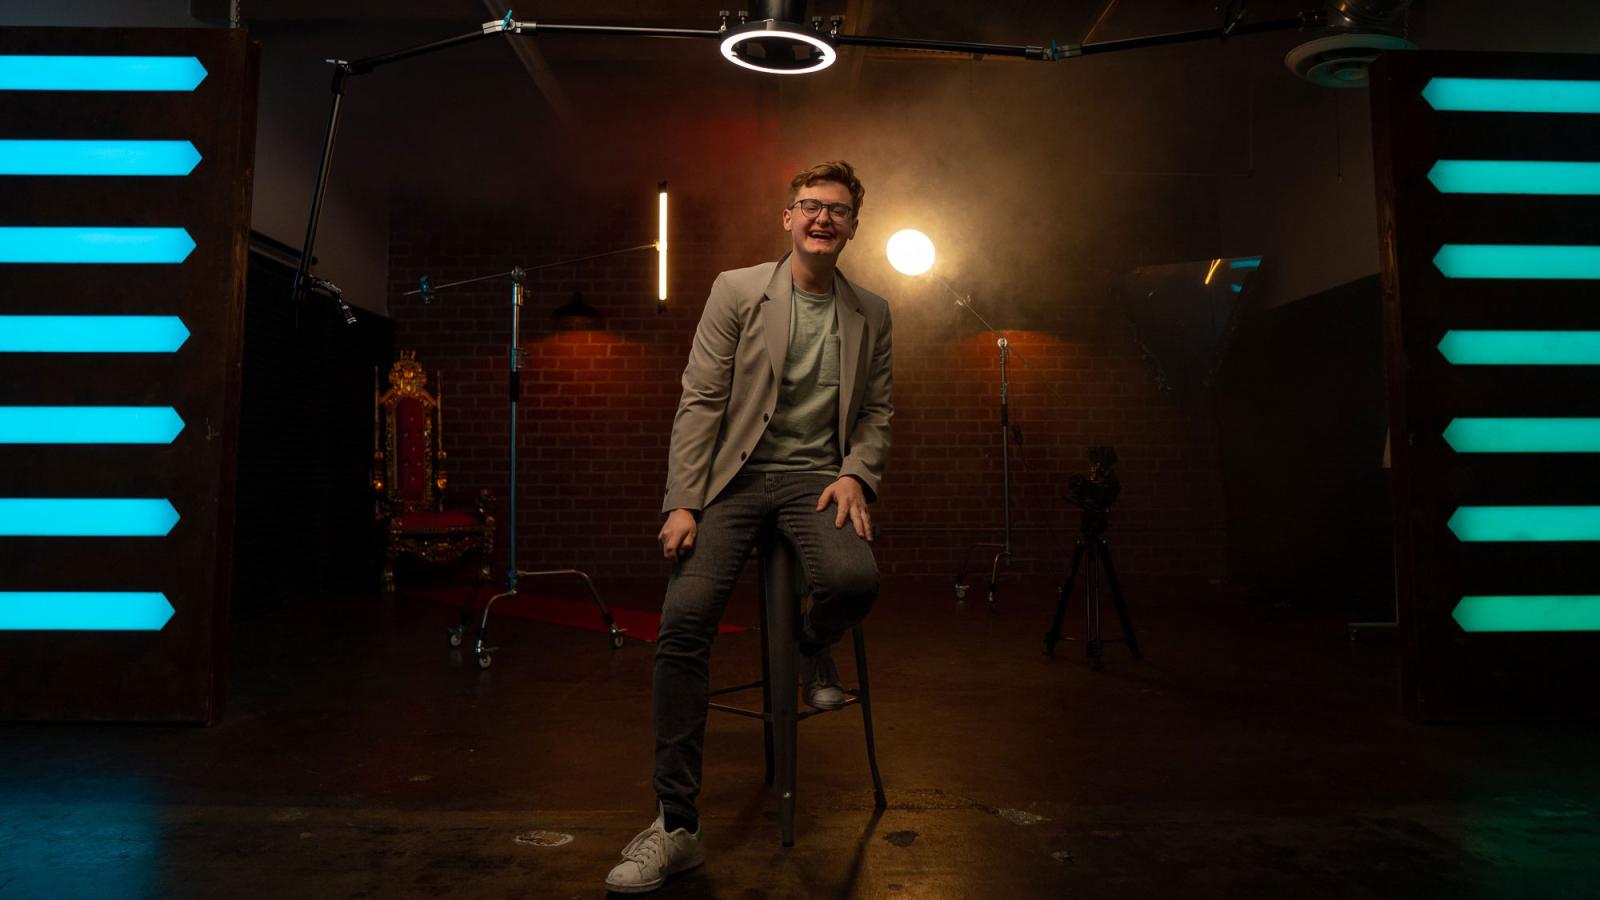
x,y
518,278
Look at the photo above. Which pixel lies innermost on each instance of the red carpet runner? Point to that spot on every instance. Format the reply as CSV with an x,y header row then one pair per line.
x,y
542,607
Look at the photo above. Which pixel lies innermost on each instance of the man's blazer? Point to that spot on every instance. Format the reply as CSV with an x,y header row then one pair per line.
x,y
730,387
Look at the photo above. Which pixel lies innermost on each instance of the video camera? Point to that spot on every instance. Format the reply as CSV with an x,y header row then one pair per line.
x,y
1099,490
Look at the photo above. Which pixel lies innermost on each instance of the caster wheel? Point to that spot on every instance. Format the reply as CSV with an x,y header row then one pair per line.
x,y
961,591
455,636
485,660
616,640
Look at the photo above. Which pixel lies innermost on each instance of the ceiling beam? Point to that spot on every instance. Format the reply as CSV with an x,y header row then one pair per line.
x,y
538,69
1100,20
855,19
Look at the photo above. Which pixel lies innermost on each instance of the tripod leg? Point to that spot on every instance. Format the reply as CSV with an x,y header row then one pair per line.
x,y
1063,597
1093,646
1103,550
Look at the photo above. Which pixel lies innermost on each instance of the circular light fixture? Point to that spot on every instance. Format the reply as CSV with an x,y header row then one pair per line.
x,y
1341,60
771,46
910,252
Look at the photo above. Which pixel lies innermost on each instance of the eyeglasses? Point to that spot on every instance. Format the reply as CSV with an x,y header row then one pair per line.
x,y
814,208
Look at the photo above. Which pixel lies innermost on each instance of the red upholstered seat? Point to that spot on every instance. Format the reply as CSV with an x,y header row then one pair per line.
x,y
423,522
409,478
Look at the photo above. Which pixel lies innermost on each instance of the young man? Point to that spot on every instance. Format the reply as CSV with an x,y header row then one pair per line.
x,y
784,419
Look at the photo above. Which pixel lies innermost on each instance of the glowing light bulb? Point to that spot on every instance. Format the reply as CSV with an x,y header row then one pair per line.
x,y
910,252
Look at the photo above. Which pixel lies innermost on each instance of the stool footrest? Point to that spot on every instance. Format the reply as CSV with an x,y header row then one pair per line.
x,y
736,688
739,711
854,699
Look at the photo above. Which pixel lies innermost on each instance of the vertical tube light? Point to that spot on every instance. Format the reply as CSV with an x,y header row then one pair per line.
x,y
661,248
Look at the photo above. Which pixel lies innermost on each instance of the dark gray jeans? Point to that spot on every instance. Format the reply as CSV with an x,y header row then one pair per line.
x,y
837,564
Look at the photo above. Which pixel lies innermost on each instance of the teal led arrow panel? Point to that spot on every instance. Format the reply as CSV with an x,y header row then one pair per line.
x,y
1571,435
89,424
100,73
97,157
75,517
1521,348
1532,261
91,334
1517,95
1526,523
1572,612
94,245
1493,176
83,611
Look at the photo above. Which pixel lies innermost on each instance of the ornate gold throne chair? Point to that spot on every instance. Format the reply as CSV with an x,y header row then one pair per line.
x,y
409,478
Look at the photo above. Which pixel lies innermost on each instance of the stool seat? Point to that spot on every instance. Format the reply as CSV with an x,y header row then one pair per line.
x,y
782,588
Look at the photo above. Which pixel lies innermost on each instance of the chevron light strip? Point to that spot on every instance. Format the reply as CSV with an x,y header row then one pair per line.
x,y
100,73
89,424
97,157
1518,95
90,517
1572,612
1495,176
83,611
1523,435
1526,523
91,334
94,245
1532,261
1521,348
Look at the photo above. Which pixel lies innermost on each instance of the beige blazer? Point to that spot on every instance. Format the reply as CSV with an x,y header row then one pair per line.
x,y
730,387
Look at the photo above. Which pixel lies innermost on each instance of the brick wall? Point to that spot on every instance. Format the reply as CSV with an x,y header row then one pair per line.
x,y
597,410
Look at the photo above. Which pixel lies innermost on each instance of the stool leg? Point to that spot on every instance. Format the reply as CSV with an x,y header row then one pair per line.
x,y
782,613
766,682
879,801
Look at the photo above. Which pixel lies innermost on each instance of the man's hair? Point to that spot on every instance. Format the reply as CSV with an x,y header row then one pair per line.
x,y
836,170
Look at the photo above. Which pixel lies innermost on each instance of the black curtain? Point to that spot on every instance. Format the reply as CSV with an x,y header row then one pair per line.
x,y
304,523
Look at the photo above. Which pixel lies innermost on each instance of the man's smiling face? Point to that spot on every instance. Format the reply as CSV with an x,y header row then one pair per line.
x,y
822,235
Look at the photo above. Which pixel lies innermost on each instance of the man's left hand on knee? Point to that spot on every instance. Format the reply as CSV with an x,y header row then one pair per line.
x,y
851,500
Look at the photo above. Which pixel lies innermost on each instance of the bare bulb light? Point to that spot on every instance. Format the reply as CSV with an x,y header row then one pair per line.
x,y
910,252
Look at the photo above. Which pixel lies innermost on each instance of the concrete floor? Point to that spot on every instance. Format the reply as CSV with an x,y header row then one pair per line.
x,y
1254,753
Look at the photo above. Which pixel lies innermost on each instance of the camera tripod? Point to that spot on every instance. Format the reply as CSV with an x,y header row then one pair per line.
x,y
1092,543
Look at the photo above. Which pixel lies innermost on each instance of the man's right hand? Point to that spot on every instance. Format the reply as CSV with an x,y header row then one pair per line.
x,y
677,534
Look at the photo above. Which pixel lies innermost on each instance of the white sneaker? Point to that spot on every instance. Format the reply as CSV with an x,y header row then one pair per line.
x,y
653,855
819,681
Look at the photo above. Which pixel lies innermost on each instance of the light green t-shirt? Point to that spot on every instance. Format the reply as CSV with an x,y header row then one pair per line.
x,y
803,435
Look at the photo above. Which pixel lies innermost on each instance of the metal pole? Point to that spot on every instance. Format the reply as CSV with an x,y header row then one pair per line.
x,y
514,386
1005,442
341,69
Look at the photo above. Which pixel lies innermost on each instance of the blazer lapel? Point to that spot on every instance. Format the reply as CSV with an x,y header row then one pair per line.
x,y
852,324
775,304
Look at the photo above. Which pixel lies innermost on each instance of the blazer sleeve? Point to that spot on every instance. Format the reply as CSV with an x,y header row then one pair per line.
x,y
869,435
706,383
